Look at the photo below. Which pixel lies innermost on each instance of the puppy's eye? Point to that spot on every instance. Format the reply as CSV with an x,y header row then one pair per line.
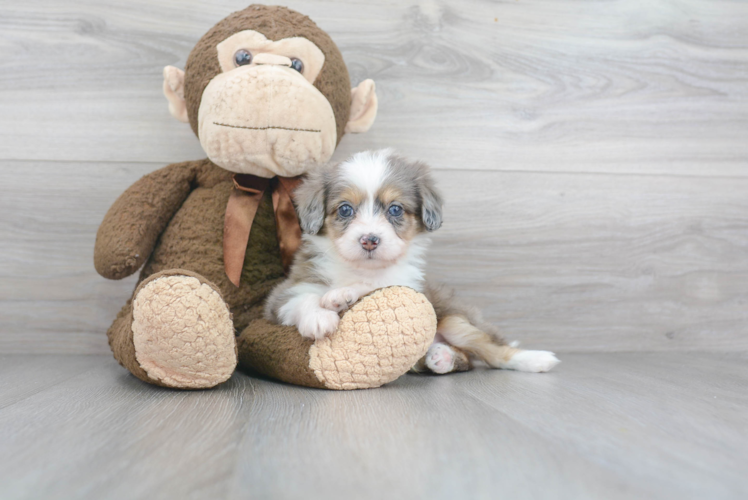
x,y
345,210
395,211
242,57
297,64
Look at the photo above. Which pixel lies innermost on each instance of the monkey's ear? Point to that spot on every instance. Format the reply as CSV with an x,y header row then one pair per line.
x,y
309,198
363,107
174,92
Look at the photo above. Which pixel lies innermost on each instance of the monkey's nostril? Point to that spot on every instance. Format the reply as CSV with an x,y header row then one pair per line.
x,y
369,241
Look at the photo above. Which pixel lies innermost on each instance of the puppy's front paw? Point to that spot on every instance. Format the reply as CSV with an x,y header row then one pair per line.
x,y
339,299
318,324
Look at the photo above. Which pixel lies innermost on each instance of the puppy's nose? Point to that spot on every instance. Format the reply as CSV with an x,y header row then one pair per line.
x,y
369,241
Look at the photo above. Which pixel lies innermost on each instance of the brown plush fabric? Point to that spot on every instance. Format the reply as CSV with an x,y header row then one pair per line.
x,y
278,352
185,204
130,228
193,240
275,23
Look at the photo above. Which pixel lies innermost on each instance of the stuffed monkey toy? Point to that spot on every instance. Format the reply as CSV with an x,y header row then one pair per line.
x,y
268,95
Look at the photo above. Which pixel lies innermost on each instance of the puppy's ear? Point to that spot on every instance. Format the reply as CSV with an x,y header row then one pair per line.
x,y
431,204
310,202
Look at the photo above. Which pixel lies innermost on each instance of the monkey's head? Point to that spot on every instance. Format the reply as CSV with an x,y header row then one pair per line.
x,y
267,93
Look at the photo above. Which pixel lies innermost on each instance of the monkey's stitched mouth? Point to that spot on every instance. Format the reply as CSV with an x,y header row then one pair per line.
x,y
268,128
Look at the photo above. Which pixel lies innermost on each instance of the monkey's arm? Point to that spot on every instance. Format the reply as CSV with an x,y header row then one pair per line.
x,y
129,231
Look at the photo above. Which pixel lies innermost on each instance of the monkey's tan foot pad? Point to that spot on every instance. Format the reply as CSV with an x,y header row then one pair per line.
x,y
377,340
183,333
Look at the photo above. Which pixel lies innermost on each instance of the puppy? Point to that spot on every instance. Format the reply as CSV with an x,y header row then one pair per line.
x,y
365,224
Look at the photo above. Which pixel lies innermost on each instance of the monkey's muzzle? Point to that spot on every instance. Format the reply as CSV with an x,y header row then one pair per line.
x,y
266,120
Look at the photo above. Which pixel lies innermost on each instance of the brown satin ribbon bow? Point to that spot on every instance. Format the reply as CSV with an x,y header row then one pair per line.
x,y
240,213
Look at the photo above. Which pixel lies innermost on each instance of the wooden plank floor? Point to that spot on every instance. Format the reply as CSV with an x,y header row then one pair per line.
x,y
603,426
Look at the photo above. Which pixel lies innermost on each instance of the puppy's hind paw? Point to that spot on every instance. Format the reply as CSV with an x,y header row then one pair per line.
x,y
339,299
440,358
532,361
318,324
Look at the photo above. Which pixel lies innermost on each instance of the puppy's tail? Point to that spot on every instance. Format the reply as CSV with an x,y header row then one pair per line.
x,y
458,331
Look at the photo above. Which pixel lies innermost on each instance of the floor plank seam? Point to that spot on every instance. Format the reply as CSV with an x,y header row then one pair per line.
x,y
157,164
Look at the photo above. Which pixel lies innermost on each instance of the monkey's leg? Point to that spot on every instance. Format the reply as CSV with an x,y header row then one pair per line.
x,y
377,340
175,332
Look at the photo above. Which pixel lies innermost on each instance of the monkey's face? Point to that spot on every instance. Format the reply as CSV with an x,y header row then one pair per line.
x,y
262,113
267,93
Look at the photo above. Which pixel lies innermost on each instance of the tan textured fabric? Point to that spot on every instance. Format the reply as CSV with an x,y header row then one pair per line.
x,y
120,334
182,333
364,106
378,340
266,120
173,88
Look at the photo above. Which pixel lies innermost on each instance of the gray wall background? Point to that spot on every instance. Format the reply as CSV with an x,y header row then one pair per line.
x,y
593,156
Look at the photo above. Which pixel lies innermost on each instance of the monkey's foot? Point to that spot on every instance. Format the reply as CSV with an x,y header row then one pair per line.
x,y
183,333
377,340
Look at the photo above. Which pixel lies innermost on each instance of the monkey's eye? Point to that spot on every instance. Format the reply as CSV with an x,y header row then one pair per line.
x,y
242,57
297,64
395,211
345,210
